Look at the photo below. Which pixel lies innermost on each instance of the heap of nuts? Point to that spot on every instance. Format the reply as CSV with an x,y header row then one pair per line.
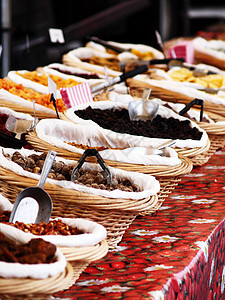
x,y
34,163
54,227
98,180
36,251
61,171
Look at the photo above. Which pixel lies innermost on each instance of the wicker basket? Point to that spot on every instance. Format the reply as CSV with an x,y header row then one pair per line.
x,y
168,176
216,133
115,215
136,89
206,58
27,110
67,60
33,287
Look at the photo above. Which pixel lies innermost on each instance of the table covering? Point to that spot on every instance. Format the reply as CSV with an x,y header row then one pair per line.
x,y
177,253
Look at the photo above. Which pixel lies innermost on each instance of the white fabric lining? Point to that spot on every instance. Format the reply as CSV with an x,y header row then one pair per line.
x,y
149,185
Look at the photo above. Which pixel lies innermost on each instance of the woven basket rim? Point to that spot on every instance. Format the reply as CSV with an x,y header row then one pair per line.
x,y
21,286
167,95
24,109
80,198
87,254
67,60
209,58
159,170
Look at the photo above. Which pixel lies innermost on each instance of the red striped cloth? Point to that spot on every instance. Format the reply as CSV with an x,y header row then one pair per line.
x,y
76,95
182,50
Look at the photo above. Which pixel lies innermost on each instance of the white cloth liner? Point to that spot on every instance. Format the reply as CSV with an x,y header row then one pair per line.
x,y
124,56
7,96
210,47
56,132
93,234
133,139
149,185
5,204
49,70
186,89
80,53
17,115
40,88
193,114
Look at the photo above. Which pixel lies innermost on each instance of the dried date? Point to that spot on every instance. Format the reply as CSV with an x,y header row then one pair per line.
x,y
36,251
118,120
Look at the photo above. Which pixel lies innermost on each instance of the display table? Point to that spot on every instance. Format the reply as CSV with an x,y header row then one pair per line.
x,y
178,253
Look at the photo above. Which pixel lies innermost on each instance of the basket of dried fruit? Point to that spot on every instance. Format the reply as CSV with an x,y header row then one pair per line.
x,y
95,56
81,241
68,73
191,140
212,123
114,206
21,99
13,127
184,87
210,51
93,60
34,267
126,54
70,140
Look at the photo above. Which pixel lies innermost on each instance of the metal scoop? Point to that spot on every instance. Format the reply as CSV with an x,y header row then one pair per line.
x,y
18,126
33,204
143,109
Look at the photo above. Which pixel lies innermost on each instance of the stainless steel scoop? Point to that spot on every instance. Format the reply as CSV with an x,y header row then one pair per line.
x,y
143,109
33,204
18,126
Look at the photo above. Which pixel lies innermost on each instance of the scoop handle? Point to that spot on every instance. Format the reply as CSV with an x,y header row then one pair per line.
x,y
46,167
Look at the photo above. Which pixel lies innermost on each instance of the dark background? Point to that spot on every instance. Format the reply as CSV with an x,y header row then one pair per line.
x,y
123,21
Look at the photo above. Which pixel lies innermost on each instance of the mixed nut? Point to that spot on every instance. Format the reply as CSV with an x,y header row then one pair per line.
x,y
61,171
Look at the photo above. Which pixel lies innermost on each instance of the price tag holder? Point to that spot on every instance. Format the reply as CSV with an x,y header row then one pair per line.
x,y
56,35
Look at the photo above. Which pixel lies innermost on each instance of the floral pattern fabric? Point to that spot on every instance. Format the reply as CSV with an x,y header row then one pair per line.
x,y
177,253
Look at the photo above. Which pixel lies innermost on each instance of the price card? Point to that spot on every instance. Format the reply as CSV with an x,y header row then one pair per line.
x,y
56,35
52,87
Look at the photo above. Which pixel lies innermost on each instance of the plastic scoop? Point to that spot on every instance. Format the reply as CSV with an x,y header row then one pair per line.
x,y
143,109
18,126
33,204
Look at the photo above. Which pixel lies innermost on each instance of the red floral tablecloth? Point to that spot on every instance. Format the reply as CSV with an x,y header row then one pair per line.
x,y
178,253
